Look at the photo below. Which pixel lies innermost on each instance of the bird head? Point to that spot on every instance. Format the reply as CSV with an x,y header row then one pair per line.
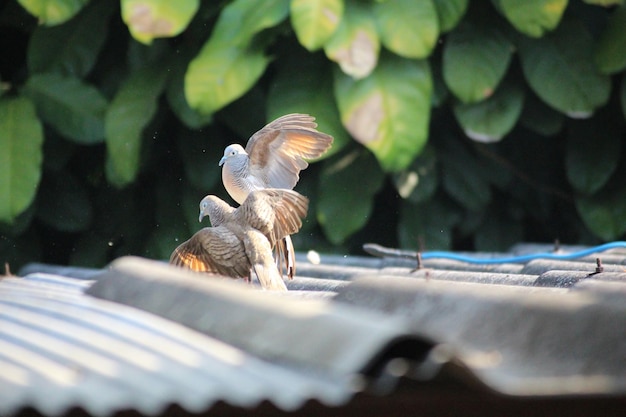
x,y
215,208
231,151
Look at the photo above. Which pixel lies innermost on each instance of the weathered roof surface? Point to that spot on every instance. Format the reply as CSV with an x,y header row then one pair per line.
x,y
142,336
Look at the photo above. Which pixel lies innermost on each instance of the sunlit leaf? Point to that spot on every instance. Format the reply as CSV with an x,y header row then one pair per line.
x,y
592,154
71,48
313,95
491,119
610,49
532,17
53,12
132,108
74,108
355,44
21,140
408,28
450,13
427,226
389,111
561,72
63,203
150,19
475,59
314,21
220,75
240,20
346,194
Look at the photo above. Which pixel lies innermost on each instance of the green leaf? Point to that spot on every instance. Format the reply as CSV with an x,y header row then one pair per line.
x,y
73,108
220,75
346,194
63,203
130,111
53,12
427,226
420,180
605,3
315,21
532,17
355,45
592,154
314,96
71,48
540,118
610,49
389,111
560,70
604,214
450,13
408,28
491,119
21,155
175,93
461,179
242,19
475,59
150,19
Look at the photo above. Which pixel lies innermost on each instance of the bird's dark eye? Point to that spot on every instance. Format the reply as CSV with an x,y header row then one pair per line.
x,y
233,152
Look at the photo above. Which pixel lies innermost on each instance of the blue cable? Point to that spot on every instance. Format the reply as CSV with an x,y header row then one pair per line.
x,y
523,258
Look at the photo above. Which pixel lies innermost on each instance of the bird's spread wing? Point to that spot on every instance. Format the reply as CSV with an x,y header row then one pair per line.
x,y
274,212
213,250
278,151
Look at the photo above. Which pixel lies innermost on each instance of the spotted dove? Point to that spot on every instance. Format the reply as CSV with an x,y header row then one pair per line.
x,y
273,158
242,239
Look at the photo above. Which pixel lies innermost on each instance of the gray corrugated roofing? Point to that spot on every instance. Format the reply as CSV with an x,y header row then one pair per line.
x,y
146,335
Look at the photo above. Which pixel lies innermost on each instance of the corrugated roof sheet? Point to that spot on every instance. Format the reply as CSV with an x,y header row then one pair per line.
x,y
145,335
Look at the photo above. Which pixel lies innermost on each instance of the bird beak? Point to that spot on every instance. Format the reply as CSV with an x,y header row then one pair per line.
x,y
222,161
201,216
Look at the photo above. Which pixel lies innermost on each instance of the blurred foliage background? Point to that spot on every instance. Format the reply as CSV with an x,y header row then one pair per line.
x,y
457,124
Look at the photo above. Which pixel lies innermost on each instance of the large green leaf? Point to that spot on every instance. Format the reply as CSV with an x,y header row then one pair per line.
x,y
539,117
592,154
314,21
610,50
532,17
150,19
74,108
475,59
130,111
408,28
53,12
220,75
604,214
461,179
21,155
242,19
71,48
450,13
346,194
389,111
491,119
561,72
355,45
63,203
313,95
427,226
